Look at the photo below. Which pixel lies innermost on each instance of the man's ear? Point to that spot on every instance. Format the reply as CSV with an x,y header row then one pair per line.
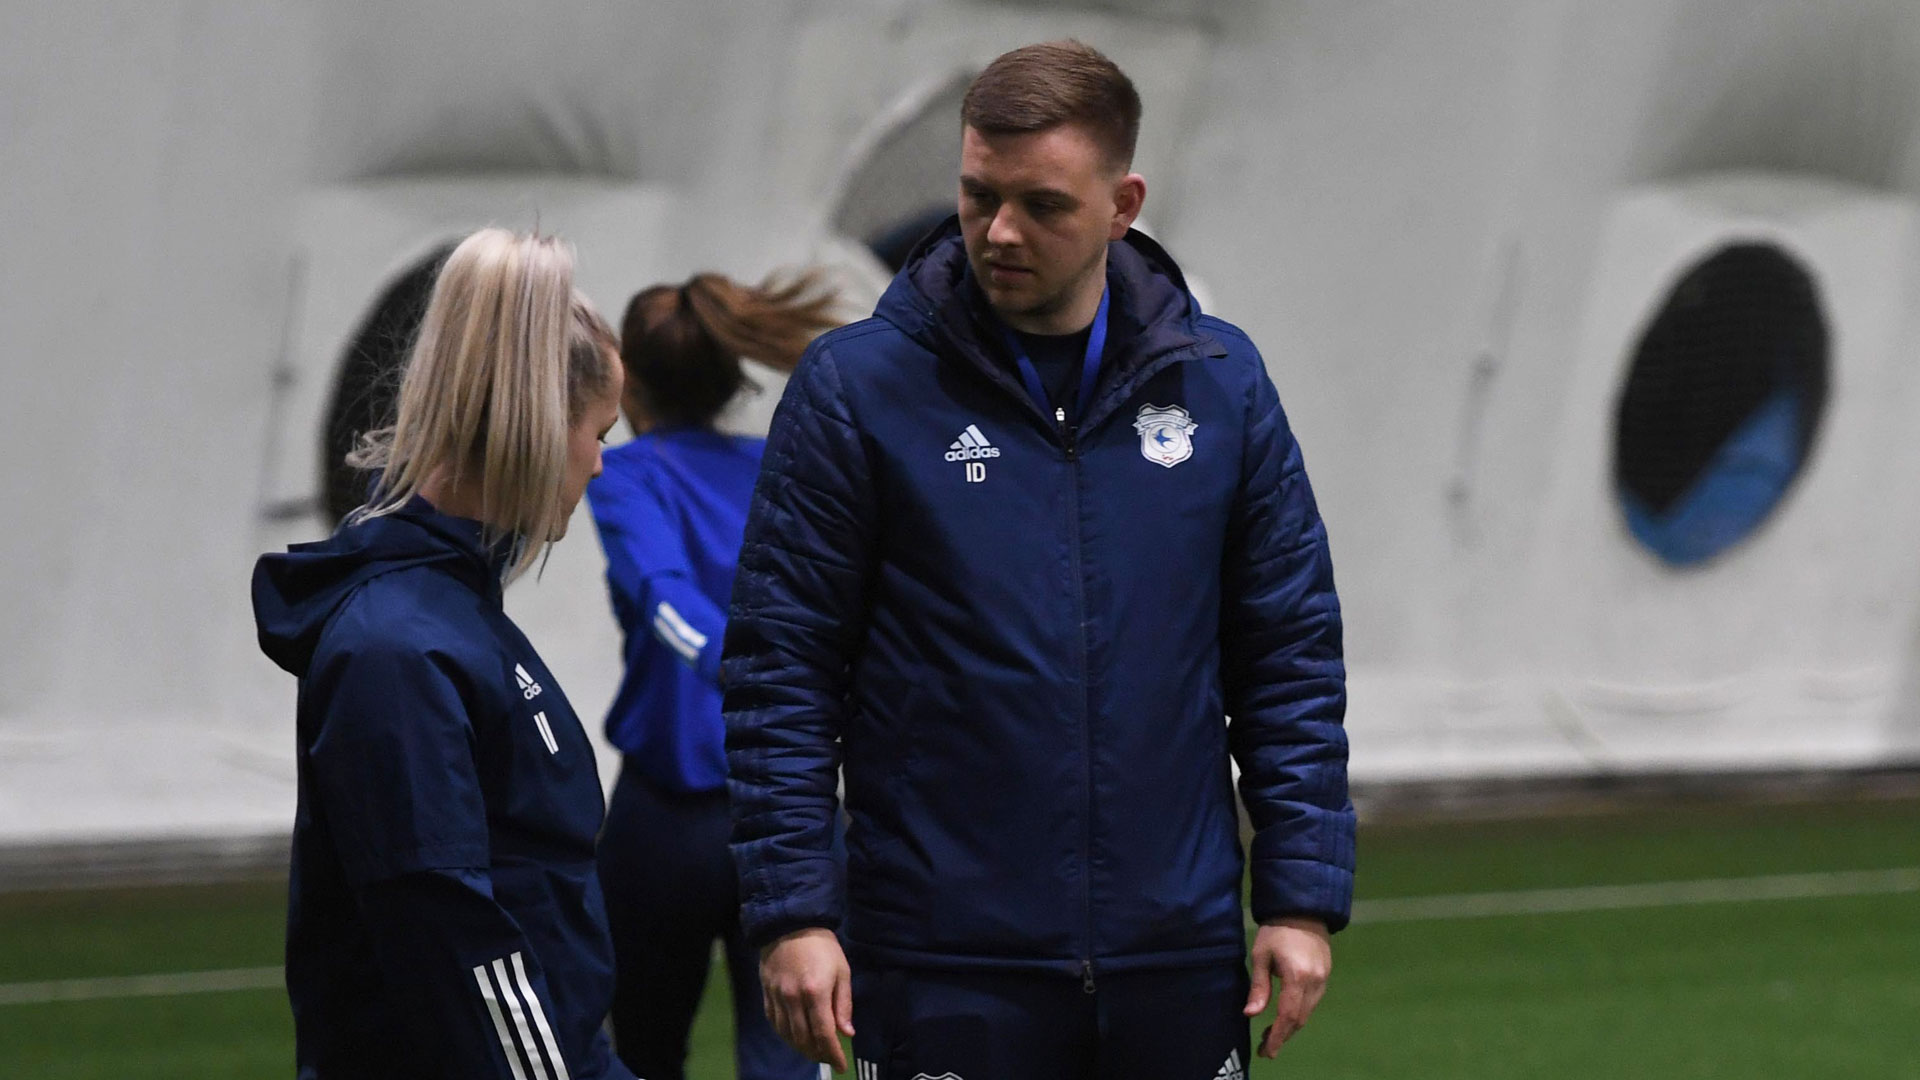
x,y
1129,196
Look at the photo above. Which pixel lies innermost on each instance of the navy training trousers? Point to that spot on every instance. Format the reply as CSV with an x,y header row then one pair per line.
x,y
671,893
1163,1024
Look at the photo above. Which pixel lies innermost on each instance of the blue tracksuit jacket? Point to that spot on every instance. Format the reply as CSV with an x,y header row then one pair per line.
x,y
1023,638
670,507
444,918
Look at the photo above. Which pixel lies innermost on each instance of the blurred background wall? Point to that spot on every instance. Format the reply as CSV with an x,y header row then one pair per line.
x,y
1447,226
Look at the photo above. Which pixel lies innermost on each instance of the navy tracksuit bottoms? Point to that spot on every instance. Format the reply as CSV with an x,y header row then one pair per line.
x,y
1165,1024
671,893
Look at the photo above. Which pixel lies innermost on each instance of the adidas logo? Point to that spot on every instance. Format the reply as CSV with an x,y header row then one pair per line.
x,y
528,688
971,446
1232,1070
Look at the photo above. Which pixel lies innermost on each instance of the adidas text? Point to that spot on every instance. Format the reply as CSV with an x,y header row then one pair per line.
x,y
973,453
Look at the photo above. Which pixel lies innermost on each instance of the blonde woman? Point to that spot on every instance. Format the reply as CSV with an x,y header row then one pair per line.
x,y
444,917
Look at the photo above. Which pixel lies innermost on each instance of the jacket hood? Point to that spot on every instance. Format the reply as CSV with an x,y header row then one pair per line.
x,y
296,593
935,300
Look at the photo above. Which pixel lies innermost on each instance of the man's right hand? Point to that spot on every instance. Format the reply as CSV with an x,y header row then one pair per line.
x,y
807,990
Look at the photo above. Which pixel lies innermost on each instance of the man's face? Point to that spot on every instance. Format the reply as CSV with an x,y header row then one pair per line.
x,y
1037,210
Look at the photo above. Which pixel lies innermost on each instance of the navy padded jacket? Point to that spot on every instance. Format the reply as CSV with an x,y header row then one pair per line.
x,y
1023,639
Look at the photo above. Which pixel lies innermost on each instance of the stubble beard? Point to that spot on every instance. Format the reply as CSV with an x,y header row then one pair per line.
x,y
1048,305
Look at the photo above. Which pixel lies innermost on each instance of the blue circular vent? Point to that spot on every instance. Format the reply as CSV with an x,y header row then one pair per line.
x,y
1721,403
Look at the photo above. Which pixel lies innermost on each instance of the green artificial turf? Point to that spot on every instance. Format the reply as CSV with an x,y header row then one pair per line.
x,y
1753,990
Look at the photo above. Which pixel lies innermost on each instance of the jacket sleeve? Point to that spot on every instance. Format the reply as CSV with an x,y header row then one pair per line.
x,y
799,613
1284,678
397,784
651,578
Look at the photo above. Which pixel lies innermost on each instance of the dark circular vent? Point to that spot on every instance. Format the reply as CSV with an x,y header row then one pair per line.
x,y
1722,401
363,393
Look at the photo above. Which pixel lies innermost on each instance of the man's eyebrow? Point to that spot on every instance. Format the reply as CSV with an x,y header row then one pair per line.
x,y
974,184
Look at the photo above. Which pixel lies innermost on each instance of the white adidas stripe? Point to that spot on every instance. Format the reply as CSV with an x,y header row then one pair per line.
x,y
539,1019
664,630
546,732
682,627
517,1013
980,439
499,1021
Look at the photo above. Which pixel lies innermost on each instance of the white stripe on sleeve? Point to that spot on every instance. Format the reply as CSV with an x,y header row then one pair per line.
x,y
519,1017
499,1021
539,1019
682,627
665,631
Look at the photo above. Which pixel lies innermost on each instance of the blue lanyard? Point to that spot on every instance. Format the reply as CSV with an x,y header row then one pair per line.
x,y
1089,367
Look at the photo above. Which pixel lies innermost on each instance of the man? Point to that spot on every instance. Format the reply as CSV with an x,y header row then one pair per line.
x,y
1022,542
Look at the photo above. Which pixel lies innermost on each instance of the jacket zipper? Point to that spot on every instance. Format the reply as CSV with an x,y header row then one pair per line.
x,y
1070,438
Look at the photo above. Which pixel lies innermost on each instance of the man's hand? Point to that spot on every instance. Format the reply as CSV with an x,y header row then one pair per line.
x,y
1298,953
807,990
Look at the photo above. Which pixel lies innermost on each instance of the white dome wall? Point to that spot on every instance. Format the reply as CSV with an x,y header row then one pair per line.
x,y
1405,203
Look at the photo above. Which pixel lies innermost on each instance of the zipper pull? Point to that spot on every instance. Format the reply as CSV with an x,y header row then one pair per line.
x,y
1066,433
1086,976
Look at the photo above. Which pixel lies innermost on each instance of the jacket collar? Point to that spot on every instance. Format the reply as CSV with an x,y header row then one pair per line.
x,y
1154,320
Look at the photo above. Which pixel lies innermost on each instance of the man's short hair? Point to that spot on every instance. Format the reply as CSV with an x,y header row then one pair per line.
x,y
1038,87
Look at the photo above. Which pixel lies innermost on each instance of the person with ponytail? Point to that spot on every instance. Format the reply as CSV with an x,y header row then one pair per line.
x,y
670,509
444,914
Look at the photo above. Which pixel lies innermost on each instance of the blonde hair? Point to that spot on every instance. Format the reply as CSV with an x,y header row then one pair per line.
x,y
508,357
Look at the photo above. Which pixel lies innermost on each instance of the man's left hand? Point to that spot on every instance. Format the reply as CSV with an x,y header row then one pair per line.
x,y
1298,953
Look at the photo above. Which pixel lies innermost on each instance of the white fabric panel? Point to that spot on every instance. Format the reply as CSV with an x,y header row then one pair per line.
x,y
150,159
1405,203
656,92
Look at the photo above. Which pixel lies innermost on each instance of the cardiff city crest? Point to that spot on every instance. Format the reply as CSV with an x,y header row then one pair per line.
x,y
1166,434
